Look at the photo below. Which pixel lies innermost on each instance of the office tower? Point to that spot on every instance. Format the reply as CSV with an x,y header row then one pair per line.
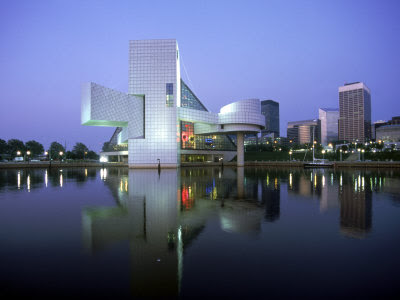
x,y
302,132
270,109
355,112
329,125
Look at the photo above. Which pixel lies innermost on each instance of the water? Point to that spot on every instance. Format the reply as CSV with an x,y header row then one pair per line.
x,y
210,232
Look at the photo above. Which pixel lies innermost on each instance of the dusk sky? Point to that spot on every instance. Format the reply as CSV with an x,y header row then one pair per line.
x,y
295,52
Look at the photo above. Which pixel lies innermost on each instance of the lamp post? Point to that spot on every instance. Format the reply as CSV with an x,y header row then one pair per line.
x,y
61,154
340,154
359,154
28,153
323,154
290,155
363,154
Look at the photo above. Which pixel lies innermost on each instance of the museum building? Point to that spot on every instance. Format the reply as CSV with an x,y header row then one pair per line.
x,y
160,121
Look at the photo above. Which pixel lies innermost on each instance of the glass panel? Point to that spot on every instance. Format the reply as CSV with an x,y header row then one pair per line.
x,y
189,140
189,99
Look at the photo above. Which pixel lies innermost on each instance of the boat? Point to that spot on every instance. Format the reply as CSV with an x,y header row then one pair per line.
x,y
318,163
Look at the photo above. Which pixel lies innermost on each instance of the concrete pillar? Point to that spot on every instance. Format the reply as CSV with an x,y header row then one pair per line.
x,y
240,182
240,149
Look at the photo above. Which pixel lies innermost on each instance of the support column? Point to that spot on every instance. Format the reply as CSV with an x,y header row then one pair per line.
x,y
240,182
240,149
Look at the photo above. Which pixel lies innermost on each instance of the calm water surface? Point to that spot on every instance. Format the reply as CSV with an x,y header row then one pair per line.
x,y
254,232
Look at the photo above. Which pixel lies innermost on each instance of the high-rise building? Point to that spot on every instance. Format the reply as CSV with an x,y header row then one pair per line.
x,y
302,132
329,125
270,109
355,112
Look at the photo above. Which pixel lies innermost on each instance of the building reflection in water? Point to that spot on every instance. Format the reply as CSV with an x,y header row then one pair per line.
x,y
146,216
355,205
352,193
160,214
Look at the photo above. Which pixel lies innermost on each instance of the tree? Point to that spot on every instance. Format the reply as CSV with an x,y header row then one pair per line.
x,y
80,150
92,155
69,155
3,147
55,149
36,148
15,145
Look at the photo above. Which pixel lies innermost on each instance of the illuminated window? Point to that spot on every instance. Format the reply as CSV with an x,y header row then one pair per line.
x,y
204,142
170,94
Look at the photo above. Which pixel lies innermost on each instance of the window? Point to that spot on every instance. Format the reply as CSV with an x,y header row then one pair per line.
x,y
170,95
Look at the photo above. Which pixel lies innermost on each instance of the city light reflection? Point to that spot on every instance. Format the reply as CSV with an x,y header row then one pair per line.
x,y
19,180
28,182
103,173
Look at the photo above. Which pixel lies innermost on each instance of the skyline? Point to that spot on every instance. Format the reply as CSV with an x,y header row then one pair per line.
x,y
229,51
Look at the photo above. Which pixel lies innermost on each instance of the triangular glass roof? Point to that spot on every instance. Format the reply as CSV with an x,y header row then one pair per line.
x,y
189,99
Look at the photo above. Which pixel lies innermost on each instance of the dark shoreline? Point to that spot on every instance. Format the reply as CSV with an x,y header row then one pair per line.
x,y
283,164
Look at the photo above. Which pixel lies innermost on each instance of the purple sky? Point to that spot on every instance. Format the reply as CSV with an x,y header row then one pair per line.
x,y
295,52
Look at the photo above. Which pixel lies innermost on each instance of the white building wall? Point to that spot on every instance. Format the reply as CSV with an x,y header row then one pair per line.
x,y
102,106
153,64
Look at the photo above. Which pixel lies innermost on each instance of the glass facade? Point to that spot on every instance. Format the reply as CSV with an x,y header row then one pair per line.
x,y
191,141
189,99
270,109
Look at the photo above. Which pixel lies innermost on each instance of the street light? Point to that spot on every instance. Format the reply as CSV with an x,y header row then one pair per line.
x,y
363,153
61,154
341,154
359,154
323,154
18,153
28,153
290,153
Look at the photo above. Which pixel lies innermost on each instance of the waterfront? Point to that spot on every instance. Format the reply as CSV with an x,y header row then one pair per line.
x,y
241,232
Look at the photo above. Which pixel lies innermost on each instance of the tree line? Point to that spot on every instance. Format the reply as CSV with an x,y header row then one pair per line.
x,y
33,149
